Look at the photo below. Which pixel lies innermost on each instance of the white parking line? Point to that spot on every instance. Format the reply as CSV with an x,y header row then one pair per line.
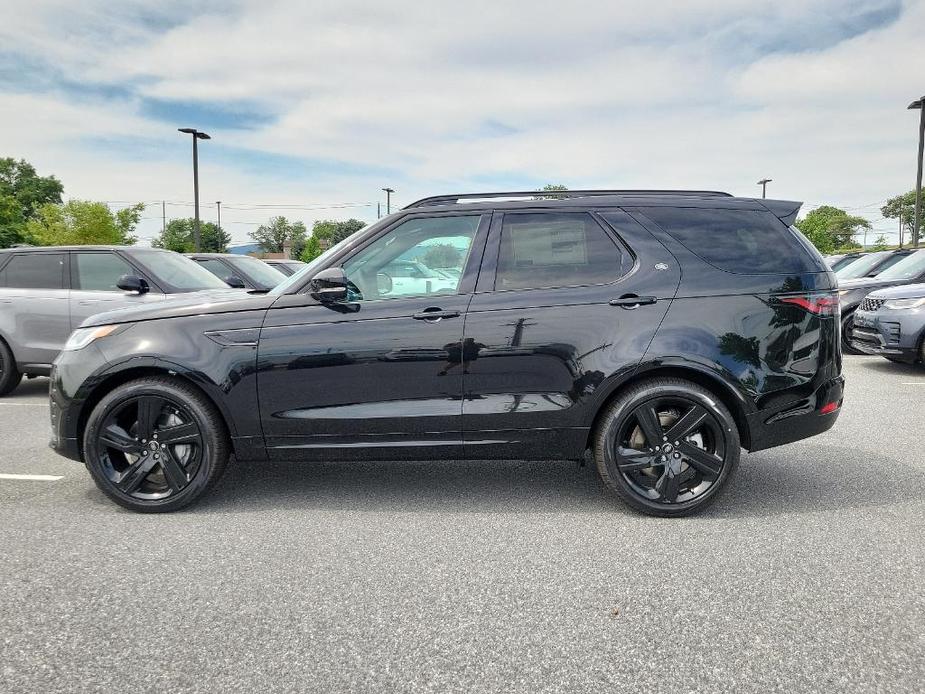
x,y
31,478
23,404
913,383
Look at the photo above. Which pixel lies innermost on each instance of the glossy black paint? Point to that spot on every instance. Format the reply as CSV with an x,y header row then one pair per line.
x,y
517,373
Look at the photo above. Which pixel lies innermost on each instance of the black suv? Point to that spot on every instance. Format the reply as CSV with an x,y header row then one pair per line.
x,y
660,330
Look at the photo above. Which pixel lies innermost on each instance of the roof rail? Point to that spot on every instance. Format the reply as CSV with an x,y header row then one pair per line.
x,y
557,195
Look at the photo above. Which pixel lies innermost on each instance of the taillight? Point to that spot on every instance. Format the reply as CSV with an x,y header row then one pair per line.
x,y
828,408
820,304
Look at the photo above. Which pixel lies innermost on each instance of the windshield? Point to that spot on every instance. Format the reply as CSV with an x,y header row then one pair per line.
x,y
861,266
179,273
907,268
311,268
261,273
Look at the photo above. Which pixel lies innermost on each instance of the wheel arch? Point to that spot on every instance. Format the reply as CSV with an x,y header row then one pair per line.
x,y
734,401
112,379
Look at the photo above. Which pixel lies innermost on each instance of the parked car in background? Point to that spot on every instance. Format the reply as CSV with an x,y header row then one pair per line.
x,y
402,277
240,271
836,262
46,292
664,331
871,264
891,323
909,270
287,267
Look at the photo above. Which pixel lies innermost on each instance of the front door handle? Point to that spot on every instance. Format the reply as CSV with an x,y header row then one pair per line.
x,y
632,301
435,314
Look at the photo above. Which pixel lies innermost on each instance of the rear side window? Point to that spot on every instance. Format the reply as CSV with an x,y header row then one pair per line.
x,y
98,271
555,250
749,242
34,271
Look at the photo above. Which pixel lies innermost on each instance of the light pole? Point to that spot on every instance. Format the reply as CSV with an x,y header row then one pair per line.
x,y
197,135
916,225
764,186
218,204
388,200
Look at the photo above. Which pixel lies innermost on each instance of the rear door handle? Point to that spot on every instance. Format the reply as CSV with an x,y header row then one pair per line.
x,y
632,301
434,314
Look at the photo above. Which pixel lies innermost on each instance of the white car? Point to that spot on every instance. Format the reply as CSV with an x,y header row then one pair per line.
x,y
407,277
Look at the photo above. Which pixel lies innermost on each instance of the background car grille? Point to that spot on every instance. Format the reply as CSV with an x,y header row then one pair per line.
x,y
871,304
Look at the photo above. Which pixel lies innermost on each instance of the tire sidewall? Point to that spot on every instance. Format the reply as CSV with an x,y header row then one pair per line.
x,y
614,423
120,396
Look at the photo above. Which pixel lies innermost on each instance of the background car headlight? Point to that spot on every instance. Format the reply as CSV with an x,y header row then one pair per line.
x,y
905,303
82,337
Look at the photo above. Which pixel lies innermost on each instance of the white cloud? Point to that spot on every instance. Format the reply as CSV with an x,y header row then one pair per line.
x,y
696,94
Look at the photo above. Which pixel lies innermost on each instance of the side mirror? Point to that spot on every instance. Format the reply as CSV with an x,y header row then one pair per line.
x,y
131,283
329,286
235,282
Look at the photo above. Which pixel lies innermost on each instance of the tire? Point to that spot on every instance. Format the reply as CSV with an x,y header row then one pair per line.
x,y
9,374
697,465
155,445
847,326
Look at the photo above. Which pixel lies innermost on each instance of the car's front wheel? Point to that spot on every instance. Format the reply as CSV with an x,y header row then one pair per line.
x,y
667,447
9,374
155,445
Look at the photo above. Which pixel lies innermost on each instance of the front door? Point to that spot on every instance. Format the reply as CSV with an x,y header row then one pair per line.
x,y
94,276
383,369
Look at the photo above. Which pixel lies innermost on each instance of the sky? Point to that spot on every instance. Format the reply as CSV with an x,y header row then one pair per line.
x,y
313,107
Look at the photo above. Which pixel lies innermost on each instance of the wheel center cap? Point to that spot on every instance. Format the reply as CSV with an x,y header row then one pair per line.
x,y
667,448
153,445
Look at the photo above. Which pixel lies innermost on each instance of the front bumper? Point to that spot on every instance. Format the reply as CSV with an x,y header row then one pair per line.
x,y
871,335
62,444
808,417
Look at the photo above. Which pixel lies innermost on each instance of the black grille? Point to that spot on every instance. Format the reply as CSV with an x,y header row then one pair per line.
x,y
871,304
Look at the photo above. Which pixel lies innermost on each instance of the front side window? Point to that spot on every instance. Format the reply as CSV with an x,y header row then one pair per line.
x,y
555,250
34,271
98,271
216,267
421,256
265,275
178,273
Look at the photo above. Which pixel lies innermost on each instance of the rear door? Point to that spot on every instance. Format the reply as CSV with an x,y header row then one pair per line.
x,y
566,303
94,276
35,318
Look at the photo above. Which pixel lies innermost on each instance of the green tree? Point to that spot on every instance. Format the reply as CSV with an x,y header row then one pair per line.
x,y
901,207
331,231
273,235
178,236
880,243
443,255
551,187
22,191
312,249
82,222
829,228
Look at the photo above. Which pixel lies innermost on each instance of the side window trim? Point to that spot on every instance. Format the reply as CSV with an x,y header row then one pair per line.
x,y
489,277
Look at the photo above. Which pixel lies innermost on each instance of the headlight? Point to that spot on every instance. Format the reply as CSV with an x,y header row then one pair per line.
x,y
82,337
905,303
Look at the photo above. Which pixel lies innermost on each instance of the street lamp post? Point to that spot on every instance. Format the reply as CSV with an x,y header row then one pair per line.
x,y
764,186
388,200
916,225
197,135
218,204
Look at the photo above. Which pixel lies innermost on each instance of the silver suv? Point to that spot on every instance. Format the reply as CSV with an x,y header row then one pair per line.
x,y
46,292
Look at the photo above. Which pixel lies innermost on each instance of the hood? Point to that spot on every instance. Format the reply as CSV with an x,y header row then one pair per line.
x,y
908,291
189,304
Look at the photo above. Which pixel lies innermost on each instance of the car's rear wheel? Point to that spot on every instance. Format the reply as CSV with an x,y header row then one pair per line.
x,y
847,328
667,447
155,445
9,374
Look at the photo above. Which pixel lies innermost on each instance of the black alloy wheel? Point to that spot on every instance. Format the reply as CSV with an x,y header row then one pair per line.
x,y
667,447
9,374
155,445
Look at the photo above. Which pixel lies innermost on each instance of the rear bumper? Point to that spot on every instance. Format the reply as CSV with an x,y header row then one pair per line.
x,y
804,419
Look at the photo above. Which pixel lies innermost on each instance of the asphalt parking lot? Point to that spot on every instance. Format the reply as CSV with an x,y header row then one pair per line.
x,y
807,575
